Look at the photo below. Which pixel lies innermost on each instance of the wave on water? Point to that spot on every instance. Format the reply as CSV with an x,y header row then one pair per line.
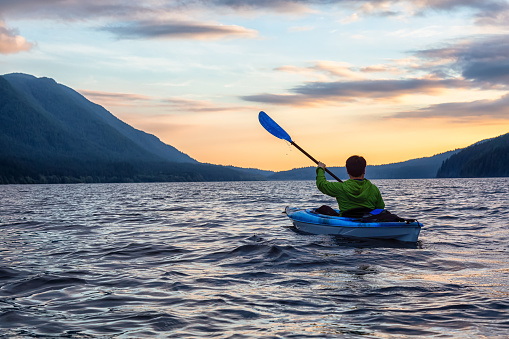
x,y
199,260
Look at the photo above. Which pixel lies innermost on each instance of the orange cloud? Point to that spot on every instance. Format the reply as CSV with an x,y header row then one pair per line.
x,y
11,42
197,106
175,105
381,69
114,99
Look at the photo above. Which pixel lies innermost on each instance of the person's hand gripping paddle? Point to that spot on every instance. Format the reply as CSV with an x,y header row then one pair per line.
x,y
273,128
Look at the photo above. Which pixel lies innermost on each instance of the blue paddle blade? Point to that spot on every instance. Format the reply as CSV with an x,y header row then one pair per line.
x,y
272,127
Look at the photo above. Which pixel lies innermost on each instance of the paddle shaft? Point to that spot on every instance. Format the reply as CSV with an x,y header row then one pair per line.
x,y
314,160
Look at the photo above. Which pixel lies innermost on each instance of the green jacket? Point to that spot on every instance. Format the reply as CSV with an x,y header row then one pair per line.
x,y
350,193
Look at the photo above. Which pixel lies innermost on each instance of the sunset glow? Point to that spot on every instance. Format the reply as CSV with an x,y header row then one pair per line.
x,y
390,80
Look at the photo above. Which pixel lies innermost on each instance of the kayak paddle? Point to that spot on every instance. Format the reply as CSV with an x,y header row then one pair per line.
x,y
273,128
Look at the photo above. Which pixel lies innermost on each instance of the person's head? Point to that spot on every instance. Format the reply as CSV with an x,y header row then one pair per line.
x,y
355,166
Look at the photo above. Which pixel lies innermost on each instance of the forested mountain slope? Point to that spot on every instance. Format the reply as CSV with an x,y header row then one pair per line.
x,y
483,159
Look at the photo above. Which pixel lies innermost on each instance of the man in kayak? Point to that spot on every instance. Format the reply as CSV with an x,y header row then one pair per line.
x,y
357,193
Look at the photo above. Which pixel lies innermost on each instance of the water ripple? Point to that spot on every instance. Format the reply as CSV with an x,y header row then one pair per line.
x,y
195,260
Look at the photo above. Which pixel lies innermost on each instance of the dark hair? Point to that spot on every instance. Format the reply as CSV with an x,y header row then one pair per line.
x,y
355,165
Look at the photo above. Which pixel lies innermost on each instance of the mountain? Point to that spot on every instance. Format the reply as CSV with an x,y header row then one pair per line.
x,y
81,116
488,158
51,133
411,169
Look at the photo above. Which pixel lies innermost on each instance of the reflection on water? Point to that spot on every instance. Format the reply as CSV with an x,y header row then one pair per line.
x,y
221,259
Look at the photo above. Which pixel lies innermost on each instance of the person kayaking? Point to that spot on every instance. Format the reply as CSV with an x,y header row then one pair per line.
x,y
356,194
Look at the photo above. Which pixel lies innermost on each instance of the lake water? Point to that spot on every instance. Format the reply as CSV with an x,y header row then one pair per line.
x,y
201,260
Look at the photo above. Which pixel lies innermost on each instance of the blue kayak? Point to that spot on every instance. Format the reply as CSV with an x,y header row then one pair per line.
x,y
307,220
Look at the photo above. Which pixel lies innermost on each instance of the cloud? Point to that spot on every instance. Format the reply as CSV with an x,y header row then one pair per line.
x,y
489,12
198,106
71,10
174,105
481,63
11,42
180,19
74,10
283,6
498,108
179,30
352,18
381,69
116,96
485,5
115,99
380,8
315,93
332,69
485,10
338,69
295,29
281,99
485,60
499,18
377,88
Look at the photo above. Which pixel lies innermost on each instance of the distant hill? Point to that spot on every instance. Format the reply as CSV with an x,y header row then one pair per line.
x,y
488,158
420,168
411,169
50,133
254,171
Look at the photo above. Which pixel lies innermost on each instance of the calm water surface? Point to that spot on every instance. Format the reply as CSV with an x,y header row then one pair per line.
x,y
201,260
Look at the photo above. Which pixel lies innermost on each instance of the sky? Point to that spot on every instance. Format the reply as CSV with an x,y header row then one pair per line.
x,y
391,80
